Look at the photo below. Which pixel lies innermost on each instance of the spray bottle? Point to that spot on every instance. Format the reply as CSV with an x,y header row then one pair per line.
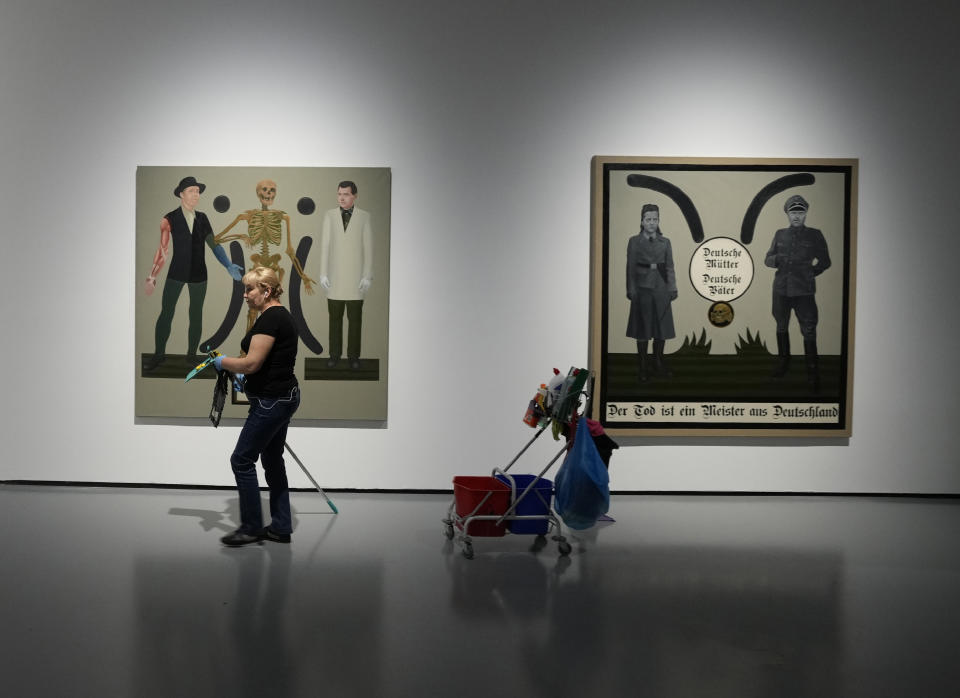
x,y
554,387
541,398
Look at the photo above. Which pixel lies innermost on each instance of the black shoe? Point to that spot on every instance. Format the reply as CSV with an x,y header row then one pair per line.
x,y
354,364
153,362
269,534
192,359
813,378
333,361
238,538
783,365
661,368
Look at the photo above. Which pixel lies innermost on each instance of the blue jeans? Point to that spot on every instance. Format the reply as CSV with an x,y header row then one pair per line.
x,y
263,436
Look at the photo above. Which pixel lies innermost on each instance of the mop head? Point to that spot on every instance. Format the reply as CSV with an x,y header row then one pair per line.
x,y
219,397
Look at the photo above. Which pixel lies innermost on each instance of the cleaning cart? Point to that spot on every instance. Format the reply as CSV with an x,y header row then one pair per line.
x,y
504,502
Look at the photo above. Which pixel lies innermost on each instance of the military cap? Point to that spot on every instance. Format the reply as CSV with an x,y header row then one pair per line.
x,y
796,203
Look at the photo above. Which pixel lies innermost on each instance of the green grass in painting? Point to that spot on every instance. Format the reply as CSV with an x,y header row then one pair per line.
x,y
698,375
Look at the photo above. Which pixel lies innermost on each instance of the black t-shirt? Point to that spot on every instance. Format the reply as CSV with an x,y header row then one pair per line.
x,y
275,378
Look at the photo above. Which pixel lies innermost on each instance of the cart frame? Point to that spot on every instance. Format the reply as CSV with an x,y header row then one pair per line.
x,y
564,412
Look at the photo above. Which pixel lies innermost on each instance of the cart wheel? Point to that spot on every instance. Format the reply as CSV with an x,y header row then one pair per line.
x,y
564,548
468,550
448,531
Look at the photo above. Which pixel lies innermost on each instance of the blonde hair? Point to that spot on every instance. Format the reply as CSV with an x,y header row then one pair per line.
x,y
266,279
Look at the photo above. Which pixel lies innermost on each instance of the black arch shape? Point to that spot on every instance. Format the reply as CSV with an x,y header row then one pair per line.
x,y
775,187
296,309
687,208
233,309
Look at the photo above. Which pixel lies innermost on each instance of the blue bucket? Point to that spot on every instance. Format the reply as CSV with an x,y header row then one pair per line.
x,y
535,503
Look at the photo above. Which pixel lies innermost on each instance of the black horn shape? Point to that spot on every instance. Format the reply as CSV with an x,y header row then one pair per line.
x,y
296,309
687,208
233,310
775,187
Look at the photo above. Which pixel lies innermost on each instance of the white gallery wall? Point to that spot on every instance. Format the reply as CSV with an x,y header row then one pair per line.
x,y
487,114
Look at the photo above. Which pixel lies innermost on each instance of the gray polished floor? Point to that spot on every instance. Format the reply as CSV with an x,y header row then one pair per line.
x,y
127,592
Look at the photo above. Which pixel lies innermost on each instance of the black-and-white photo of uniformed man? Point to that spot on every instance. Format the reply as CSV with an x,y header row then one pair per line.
x,y
799,254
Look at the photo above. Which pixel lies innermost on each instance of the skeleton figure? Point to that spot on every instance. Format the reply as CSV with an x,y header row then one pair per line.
x,y
264,228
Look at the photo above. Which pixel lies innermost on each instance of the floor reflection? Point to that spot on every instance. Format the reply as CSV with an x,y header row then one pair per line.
x,y
669,621
256,626
128,592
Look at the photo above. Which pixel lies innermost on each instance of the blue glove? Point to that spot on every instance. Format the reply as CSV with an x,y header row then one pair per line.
x,y
235,271
239,382
217,361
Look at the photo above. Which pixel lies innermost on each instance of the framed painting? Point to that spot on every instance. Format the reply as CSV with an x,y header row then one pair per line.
x,y
199,228
722,296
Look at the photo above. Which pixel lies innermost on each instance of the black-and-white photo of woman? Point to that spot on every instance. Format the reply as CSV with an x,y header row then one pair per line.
x,y
651,288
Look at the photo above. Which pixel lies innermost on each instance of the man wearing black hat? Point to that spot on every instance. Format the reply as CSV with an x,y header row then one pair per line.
x,y
189,230
799,254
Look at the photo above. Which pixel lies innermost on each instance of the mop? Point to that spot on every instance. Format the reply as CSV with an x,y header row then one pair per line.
x,y
220,389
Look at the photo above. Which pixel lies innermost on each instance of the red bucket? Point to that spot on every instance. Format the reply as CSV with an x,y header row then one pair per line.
x,y
477,495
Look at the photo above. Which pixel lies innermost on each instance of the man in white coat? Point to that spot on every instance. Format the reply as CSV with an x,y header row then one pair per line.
x,y
346,270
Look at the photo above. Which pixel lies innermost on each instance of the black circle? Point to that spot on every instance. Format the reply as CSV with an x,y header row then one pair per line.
x,y
221,204
306,206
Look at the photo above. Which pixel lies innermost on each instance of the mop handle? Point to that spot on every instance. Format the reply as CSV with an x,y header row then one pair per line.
x,y
307,473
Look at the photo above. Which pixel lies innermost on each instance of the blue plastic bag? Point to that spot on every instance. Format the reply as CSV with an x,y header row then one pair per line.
x,y
582,485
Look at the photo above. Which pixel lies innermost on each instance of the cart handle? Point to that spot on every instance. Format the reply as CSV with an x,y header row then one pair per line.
x,y
524,449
